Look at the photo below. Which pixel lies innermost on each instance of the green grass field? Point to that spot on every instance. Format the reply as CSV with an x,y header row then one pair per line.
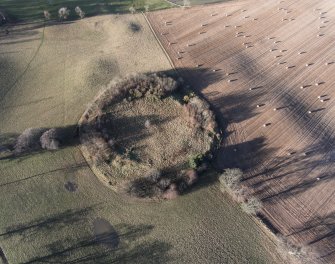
x,y
47,76
23,10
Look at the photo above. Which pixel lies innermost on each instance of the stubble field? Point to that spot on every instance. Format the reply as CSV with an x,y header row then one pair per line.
x,y
268,68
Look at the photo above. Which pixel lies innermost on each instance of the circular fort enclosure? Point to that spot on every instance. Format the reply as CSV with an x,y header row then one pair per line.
x,y
147,137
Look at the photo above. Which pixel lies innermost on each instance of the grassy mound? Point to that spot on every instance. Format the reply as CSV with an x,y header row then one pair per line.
x,y
145,140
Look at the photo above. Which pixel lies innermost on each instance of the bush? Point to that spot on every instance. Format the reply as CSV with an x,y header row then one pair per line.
x,y
63,13
98,147
164,183
29,140
195,161
134,87
143,188
252,206
231,178
49,139
182,186
198,114
154,175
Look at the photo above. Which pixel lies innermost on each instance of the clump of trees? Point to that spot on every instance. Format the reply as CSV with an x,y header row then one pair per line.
x,y
156,184
300,254
230,181
133,87
33,139
64,13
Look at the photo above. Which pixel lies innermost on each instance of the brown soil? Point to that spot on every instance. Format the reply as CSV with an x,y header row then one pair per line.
x,y
250,60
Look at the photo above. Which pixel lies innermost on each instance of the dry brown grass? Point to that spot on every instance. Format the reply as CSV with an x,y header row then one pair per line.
x,y
166,144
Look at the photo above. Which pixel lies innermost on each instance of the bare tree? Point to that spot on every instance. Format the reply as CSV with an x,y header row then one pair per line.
x,y
146,8
186,3
132,9
231,178
63,13
47,15
79,12
28,140
252,205
49,139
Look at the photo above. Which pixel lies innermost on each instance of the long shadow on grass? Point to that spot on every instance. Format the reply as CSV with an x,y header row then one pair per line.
x,y
105,243
43,224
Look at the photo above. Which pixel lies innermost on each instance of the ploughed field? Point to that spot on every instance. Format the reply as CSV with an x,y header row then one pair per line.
x,y
268,68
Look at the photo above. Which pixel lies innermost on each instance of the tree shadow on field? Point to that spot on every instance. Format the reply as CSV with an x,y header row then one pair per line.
x,y
7,67
104,243
246,155
321,231
43,224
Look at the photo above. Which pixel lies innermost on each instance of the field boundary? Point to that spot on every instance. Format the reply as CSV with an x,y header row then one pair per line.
x,y
159,43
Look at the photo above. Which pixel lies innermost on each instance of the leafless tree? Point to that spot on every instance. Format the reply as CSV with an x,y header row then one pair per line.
x,y
132,9
146,8
231,178
63,13
186,3
28,140
49,140
79,12
47,15
251,206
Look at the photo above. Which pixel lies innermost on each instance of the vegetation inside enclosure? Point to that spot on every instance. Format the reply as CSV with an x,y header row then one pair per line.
x,y
23,10
145,139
